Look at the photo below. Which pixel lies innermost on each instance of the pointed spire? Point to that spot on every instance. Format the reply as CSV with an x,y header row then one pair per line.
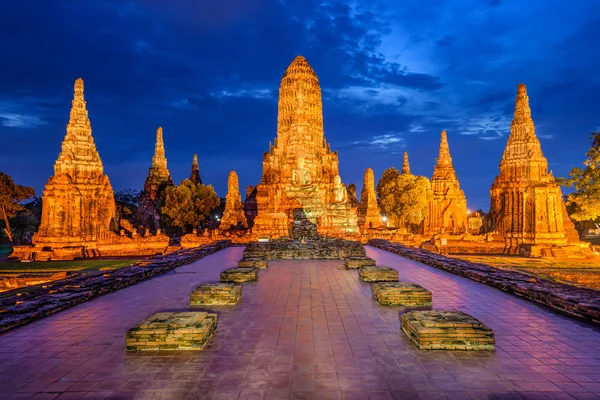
x,y
158,172
405,165
444,156
195,175
233,214
159,160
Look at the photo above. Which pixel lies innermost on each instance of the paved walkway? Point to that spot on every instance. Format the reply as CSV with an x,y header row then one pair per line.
x,y
306,330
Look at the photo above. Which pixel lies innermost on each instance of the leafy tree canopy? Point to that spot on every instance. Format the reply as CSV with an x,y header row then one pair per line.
x,y
189,205
583,203
11,196
404,198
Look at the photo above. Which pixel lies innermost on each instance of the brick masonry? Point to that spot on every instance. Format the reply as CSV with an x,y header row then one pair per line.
x,y
216,294
378,274
400,294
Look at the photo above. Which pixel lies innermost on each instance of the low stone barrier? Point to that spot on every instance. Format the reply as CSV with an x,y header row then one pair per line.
x,y
323,249
358,262
239,275
571,300
172,331
378,274
216,294
253,262
400,294
35,303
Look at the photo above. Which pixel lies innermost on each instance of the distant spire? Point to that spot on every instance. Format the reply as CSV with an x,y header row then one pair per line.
x,y
444,156
159,159
195,175
158,172
405,165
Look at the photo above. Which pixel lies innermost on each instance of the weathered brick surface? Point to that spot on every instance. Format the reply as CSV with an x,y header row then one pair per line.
x,y
253,262
172,331
378,274
400,294
323,249
239,275
567,299
27,306
447,330
358,262
216,293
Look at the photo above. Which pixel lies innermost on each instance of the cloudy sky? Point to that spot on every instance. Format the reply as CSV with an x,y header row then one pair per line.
x,y
393,73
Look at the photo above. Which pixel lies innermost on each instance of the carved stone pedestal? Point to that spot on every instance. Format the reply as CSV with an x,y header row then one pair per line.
x,y
378,274
253,262
216,294
446,330
358,262
400,294
239,275
172,331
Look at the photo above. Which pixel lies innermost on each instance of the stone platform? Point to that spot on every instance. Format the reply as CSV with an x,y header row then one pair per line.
x,y
400,294
172,331
216,294
322,249
253,262
447,330
378,274
358,262
239,275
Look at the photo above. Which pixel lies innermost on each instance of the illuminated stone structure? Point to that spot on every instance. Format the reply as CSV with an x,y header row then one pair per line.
x,y
448,207
78,203
526,203
233,215
368,211
156,182
300,171
405,165
195,175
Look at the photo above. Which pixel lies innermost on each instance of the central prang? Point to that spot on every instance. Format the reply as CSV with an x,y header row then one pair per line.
x,y
300,172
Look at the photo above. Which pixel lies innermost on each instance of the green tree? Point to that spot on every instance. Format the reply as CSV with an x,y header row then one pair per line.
x,y
404,198
189,205
11,196
583,203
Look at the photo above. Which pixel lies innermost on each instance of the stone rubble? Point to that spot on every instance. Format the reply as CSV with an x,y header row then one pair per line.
x,y
29,305
172,331
577,302
378,274
447,330
401,294
216,294
239,275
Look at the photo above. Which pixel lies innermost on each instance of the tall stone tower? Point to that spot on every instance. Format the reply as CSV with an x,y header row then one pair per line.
x,y
448,208
195,174
233,215
300,172
78,201
368,210
157,181
526,203
405,165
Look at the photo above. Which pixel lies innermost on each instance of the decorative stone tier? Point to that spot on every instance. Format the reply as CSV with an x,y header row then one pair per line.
x,y
400,294
378,274
173,331
216,294
447,330
35,303
358,262
571,300
253,262
239,275
325,249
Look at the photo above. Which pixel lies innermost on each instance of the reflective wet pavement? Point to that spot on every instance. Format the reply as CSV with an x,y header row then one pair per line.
x,y
306,330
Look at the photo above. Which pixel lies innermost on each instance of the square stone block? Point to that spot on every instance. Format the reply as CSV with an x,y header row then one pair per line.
x,y
172,331
239,275
447,330
216,294
358,262
378,274
253,262
400,294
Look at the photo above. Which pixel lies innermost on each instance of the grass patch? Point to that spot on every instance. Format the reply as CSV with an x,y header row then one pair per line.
x,y
55,266
5,250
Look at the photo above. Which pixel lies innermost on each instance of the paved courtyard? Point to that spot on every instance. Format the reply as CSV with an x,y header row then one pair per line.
x,y
305,330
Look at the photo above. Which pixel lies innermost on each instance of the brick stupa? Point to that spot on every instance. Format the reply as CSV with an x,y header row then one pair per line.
x,y
300,172
78,202
448,207
368,211
156,182
526,203
233,215
195,174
